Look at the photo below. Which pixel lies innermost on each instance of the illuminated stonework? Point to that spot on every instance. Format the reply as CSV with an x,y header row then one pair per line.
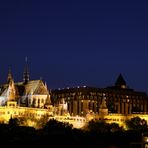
x,y
117,118
120,99
31,100
113,117
12,110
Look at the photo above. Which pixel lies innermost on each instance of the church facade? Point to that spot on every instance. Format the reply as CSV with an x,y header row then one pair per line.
x,y
31,100
28,93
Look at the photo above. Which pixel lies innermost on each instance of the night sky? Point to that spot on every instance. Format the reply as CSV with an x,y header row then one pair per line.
x,y
74,42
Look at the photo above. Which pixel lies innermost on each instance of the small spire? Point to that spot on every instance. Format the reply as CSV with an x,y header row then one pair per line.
x,y
9,78
11,91
103,105
46,85
26,71
103,110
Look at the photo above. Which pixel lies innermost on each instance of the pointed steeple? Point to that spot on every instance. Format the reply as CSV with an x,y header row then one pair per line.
x,y
9,78
103,110
103,105
26,71
120,82
11,91
46,85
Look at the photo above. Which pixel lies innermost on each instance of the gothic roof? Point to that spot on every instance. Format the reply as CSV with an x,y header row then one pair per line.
x,y
34,87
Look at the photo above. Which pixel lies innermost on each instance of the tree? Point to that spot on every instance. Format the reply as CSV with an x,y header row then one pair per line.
x,y
56,127
98,126
13,122
136,123
27,121
42,121
114,127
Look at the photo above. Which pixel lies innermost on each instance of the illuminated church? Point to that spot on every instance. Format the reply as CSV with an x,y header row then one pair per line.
x,y
32,99
29,93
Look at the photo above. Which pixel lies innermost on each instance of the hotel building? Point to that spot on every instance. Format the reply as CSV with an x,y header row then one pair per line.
x,y
119,99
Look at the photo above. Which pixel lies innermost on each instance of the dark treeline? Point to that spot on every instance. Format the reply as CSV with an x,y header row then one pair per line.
x,y
58,134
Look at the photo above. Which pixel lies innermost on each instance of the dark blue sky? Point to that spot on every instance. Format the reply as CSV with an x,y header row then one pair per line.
x,y
75,42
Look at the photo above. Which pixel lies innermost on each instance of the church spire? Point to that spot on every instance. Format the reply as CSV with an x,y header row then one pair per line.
x,y
9,78
26,71
11,91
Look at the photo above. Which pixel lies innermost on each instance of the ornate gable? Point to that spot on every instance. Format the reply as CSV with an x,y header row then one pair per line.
x,y
41,89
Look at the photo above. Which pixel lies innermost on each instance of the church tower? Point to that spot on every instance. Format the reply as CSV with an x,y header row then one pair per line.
x,y
11,95
26,72
11,87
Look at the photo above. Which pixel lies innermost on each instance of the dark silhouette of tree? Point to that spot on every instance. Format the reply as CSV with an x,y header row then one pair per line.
x,y
100,126
114,127
136,123
56,127
13,122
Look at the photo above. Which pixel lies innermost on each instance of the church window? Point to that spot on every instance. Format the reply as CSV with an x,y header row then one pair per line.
x,y
38,100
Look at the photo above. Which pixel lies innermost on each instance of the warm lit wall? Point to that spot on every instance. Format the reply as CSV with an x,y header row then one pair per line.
x,y
12,111
119,118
